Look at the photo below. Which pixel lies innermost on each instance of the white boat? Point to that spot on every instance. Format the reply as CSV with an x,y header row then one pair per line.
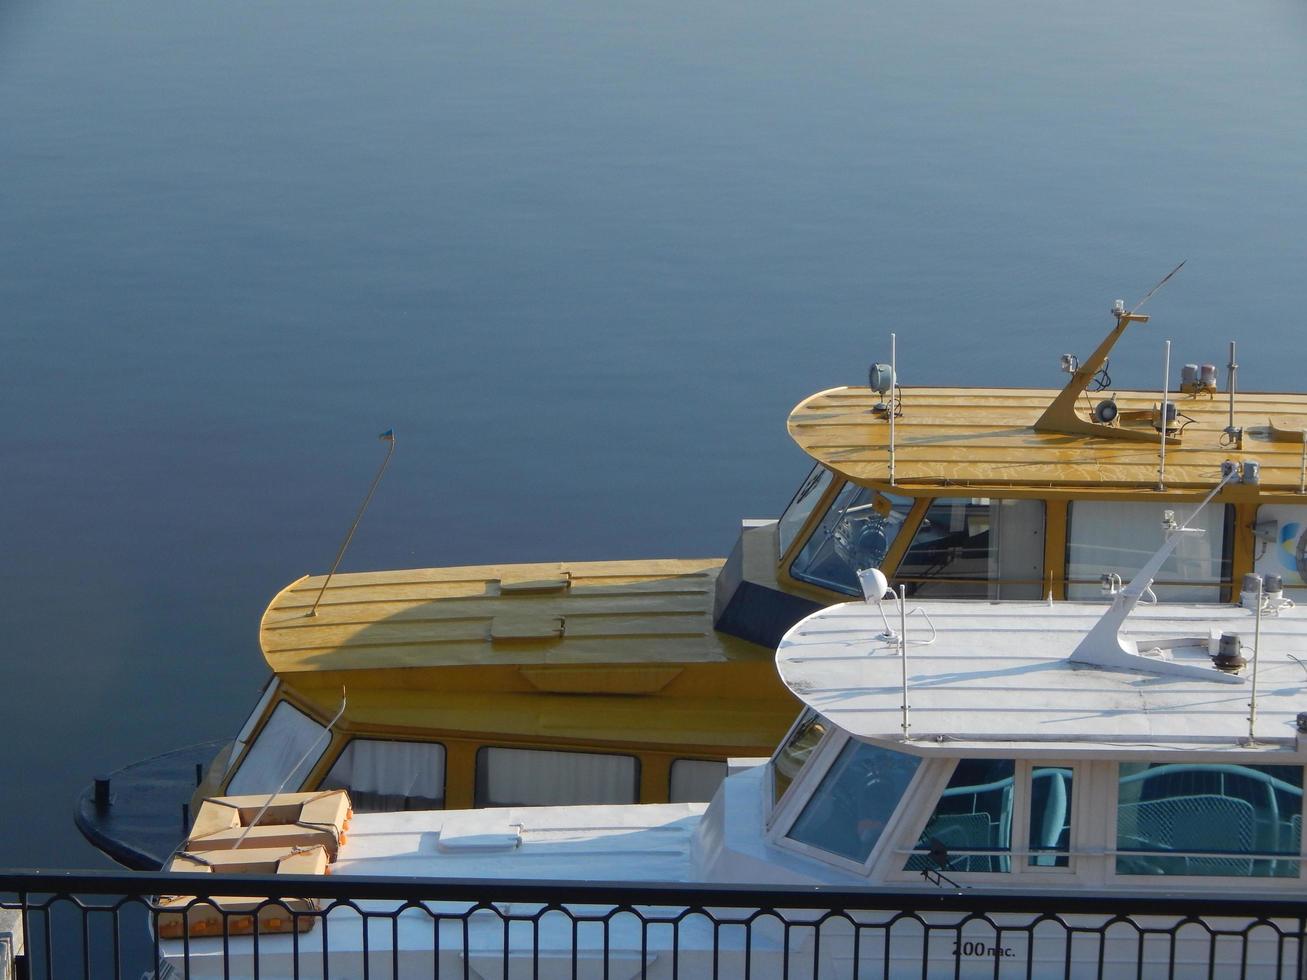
x,y
1021,747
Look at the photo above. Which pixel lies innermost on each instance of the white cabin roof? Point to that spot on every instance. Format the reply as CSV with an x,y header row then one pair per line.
x,y
647,843
999,673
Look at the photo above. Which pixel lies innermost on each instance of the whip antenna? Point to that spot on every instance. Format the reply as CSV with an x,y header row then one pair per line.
x,y
1164,280
387,436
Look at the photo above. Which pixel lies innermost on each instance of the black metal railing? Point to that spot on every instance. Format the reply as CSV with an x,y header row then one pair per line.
x,y
108,925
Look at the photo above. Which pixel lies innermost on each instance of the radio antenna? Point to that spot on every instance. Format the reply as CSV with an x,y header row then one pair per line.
x,y
1162,282
387,436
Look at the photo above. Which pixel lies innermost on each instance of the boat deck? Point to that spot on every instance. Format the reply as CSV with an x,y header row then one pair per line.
x,y
998,675
548,615
985,437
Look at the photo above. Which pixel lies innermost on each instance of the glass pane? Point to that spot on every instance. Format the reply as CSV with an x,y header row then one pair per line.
x,y
269,692
791,756
855,800
541,777
801,506
1114,536
282,743
1050,816
1205,819
971,828
855,533
694,780
1284,551
977,548
382,776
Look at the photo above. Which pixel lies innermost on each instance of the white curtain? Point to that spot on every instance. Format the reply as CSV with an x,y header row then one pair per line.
x,y
409,769
695,780
538,777
1120,536
288,734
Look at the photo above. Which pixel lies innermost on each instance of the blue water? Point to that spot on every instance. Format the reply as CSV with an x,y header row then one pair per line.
x,y
582,256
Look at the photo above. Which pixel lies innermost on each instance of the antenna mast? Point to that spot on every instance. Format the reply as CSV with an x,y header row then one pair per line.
x,y
893,400
387,436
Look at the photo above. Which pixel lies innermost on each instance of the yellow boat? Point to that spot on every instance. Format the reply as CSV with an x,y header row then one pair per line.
x,y
635,681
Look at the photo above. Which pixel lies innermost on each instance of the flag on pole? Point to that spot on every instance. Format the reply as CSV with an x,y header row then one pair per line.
x,y
389,434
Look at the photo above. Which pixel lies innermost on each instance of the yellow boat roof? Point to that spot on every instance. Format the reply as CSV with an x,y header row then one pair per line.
x,y
539,619
985,438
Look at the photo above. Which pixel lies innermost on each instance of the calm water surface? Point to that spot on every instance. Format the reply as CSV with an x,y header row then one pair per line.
x,y
583,257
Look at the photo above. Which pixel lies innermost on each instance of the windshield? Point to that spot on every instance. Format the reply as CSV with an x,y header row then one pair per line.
x,y
790,757
810,491
855,800
855,533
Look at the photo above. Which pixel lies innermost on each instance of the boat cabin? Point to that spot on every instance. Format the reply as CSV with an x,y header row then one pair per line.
x,y
1026,763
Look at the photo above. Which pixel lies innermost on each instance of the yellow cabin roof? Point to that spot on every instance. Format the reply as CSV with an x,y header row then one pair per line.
x,y
539,619
985,437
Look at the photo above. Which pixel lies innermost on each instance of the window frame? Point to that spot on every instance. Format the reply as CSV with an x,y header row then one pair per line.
x,y
791,806
1019,846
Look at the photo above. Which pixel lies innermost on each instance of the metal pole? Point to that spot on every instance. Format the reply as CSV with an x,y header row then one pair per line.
x,y
1232,369
1166,392
893,400
903,652
388,436
1257,642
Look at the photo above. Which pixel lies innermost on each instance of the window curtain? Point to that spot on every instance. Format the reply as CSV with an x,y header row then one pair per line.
x,y
390,775
537,777
695,780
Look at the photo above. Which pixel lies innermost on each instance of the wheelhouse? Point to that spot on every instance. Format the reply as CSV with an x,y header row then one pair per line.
x,y
1045,744
286,743
882,812
1027,493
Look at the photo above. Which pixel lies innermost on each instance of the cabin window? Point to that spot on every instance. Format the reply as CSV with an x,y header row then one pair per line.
x,y
1050,816
1109,536
855,533
383,776
971,828
977,548
541,777
805,736
791,522
694,780
856,798
283,752
1208,819
1282,544
269,692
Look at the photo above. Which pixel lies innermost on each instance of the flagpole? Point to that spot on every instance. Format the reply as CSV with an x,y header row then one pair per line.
x,y
387,436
